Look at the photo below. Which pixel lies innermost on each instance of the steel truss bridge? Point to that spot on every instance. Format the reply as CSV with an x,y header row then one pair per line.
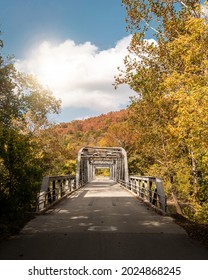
x,y
84,217
149,189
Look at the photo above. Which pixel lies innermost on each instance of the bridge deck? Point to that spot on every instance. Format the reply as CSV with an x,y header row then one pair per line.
x,y
101,221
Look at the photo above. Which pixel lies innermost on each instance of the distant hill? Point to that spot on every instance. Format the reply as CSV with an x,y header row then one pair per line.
x,y
89,132
93,123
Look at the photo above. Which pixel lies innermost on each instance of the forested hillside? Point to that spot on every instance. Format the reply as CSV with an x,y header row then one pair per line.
x,y
90,132
109,129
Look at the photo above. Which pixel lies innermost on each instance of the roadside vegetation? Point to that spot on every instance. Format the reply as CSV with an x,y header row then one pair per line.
x,y
169,114
24,155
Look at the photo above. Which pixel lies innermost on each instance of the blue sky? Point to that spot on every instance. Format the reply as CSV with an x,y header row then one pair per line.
x,y
73,47
28,22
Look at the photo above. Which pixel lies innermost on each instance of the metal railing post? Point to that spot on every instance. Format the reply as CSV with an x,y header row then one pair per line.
x,y
149,189
53,189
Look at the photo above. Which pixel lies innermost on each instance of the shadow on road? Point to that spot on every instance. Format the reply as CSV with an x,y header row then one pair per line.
x,y
102,221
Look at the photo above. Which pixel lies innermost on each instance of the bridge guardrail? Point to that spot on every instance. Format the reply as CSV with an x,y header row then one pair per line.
x,y
53,189
149,189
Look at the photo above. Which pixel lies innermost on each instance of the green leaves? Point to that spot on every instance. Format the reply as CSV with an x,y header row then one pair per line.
x,y
19,169
24,109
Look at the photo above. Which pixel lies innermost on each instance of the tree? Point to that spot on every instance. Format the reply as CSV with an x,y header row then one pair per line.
x,y
187,86
19,170
169,75
24,109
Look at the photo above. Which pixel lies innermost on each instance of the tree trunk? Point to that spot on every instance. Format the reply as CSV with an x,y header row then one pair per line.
x,y
194,172
175,199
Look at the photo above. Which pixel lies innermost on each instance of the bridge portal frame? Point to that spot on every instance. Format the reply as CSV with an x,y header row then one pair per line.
x,y
89,158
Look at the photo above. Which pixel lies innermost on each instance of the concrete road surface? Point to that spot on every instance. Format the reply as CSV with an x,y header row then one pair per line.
x,y
101,221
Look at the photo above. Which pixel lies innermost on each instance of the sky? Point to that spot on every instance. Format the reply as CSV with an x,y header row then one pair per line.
x,y
72,47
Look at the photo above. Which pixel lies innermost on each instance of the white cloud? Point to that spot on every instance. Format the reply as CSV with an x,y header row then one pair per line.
x,y
204,11
81,75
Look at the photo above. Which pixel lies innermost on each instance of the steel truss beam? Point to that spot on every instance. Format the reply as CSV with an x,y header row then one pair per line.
x,y
89,158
